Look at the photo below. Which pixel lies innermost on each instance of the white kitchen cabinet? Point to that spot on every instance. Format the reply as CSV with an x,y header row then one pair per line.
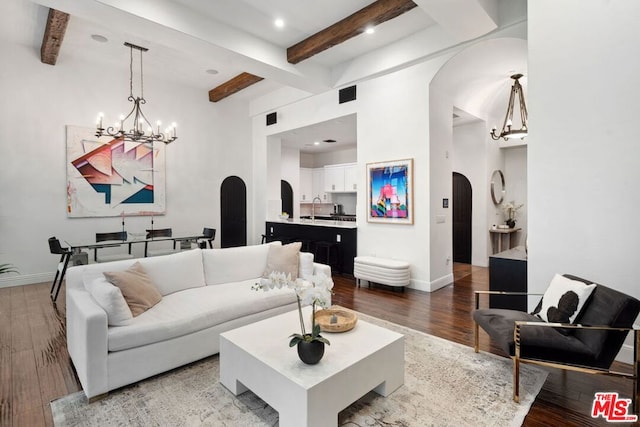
x,y
341,178
306,185
351,177
334,178
318,185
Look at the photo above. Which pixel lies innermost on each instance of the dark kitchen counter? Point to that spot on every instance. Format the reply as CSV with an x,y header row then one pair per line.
x,y
344,233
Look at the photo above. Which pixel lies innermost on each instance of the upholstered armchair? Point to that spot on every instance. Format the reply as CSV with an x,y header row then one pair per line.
x,y
589,344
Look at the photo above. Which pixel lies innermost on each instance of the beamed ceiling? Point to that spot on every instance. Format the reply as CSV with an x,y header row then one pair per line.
x,y
322,45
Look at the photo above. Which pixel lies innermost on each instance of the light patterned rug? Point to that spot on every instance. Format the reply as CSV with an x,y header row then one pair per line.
x,y
446,384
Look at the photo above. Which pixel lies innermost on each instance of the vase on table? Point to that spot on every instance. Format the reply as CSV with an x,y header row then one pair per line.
x,y
310,352
511,222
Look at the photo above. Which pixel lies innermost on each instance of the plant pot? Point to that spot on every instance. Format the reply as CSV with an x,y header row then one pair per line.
x,y
310,352
511,223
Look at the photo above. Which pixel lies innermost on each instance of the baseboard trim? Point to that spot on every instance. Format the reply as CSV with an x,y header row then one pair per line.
x,y
419,285
441,282
25,279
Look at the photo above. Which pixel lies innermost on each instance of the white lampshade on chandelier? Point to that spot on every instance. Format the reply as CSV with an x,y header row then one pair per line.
x,y
140,130
508,131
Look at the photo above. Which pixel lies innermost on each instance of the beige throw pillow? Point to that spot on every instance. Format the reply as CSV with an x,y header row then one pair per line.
x,y
284,259
137,288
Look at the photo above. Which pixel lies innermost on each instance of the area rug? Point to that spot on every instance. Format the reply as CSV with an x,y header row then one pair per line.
x,y
446,384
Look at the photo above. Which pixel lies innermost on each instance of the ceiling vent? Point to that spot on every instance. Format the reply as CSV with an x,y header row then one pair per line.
x,y
329,141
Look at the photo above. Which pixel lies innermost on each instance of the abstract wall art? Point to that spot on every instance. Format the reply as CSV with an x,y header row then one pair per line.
x,y
390,192
111,177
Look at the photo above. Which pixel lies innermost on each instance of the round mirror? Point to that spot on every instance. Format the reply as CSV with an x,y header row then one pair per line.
x,y
497,186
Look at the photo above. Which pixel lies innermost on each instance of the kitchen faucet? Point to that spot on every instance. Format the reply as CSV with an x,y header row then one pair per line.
x,y
313,207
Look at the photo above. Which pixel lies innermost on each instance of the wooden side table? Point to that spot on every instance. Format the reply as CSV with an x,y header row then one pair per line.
x,y
496,238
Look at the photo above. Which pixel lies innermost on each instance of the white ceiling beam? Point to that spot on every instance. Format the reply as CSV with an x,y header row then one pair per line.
x,y
463,19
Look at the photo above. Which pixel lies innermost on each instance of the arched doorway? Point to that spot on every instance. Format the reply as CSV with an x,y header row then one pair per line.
x,y
286,194
462,211
233,212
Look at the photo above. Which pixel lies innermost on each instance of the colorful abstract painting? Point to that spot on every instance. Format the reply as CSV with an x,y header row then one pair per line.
x,y
113,177
390,192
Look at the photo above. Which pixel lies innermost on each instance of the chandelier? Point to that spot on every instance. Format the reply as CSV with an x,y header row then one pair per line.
x,y
507,131
140,130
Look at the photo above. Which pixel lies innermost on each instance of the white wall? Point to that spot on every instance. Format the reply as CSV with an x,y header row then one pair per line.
x,y
346,155
469,152
290,172
583,150
515,175
38,100
393,124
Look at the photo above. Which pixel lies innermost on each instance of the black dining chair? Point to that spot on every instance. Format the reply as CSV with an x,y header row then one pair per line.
x,y
161,234
65,255
208,235
117,238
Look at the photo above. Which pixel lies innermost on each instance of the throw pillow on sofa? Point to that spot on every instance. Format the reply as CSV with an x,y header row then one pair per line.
x,y
138,290
110,298
563,300
284,259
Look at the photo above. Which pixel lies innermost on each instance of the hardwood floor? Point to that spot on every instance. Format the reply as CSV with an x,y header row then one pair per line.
x,y
35,366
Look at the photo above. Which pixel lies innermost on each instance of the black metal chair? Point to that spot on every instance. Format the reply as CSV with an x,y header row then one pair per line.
x,y
208,235
161,233
65,255
590,345
117,236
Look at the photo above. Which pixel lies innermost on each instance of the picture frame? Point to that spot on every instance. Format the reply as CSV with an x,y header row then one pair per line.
x,y
109,177
390,192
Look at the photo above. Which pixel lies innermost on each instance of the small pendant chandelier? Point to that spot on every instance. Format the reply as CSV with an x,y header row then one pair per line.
x,y
507,131
140,130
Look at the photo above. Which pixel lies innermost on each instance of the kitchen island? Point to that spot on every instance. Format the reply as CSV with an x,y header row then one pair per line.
x,y
341,234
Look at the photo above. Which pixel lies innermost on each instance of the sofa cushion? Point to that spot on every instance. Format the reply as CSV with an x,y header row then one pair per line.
x,y
235,264
175,272
136,286
283,259
110,298
196,309
563,300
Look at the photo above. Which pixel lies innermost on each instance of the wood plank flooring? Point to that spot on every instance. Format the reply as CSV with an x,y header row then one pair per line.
x,y
35,367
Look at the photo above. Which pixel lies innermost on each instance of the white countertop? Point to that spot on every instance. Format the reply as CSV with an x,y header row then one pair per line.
x,y
319,222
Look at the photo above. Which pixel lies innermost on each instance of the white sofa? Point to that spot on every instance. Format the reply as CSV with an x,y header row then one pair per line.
x,y
205,292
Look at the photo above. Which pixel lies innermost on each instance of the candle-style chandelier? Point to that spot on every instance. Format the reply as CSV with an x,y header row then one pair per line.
x,y
507,131
140,130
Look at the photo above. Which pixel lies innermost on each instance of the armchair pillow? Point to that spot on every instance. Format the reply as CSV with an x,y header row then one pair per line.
x,y
563,300
137,288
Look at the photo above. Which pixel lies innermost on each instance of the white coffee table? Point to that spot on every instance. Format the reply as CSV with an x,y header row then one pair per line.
x,y
257,357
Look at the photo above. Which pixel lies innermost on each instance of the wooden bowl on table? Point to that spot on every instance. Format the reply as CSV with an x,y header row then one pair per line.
x,y
336,320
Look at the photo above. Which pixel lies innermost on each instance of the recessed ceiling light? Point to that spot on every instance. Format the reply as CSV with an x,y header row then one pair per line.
x,y
369,30
316,143
99,38
211,71
279,23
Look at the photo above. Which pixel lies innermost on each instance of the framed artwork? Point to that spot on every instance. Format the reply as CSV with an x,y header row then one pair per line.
x,y
390,192
112,177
